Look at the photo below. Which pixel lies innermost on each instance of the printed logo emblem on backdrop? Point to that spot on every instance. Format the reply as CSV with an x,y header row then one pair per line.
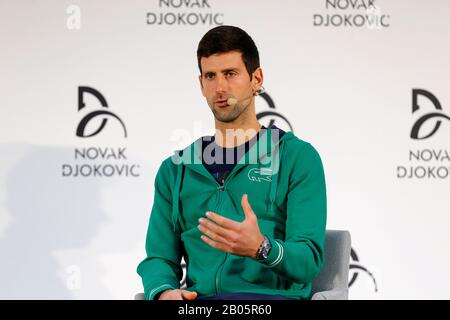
x,y
430,162
185,12
271,115
104,160
355,267
103,114
351,13
432,115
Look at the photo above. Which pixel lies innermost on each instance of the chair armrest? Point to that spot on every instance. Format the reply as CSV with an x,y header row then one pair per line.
x,y
139,296
335,294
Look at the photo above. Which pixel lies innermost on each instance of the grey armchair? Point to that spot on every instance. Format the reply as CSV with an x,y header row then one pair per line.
x,y
332,281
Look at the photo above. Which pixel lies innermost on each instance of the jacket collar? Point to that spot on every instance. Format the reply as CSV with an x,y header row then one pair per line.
x,y
259,152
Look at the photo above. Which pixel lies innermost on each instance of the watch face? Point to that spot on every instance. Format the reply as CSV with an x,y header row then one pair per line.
x,y
265,248
265,252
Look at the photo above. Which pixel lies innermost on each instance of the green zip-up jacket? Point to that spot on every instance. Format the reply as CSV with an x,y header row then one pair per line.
x,y
285,183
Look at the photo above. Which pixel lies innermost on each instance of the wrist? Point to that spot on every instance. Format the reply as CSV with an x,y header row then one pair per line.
x,y
258,245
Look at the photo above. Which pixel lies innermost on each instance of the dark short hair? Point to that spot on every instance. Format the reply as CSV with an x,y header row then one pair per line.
x,y
229,38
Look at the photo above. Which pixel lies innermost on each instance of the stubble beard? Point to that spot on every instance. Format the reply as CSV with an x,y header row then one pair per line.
x,y
228,115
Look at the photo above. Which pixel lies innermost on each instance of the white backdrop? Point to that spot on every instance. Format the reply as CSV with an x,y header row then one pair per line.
x,y
346,87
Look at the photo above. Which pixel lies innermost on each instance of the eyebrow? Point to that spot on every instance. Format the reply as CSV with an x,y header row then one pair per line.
x,y
223,71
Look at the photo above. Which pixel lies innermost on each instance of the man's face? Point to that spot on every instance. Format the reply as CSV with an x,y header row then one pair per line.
x,y
224,76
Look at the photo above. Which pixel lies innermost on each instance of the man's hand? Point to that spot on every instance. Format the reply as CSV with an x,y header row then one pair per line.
x,y
238,238
177,294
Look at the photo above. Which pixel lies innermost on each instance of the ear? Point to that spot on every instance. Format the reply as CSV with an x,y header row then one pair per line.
x,y
201,84
257,79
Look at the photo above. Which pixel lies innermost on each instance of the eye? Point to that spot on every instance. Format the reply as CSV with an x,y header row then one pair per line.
x,y
209,76
231,73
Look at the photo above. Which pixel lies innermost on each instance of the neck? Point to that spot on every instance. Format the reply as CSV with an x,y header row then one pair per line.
x,y
239,131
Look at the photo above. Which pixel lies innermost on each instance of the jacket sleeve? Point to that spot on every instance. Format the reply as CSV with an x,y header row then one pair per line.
x,y
161,269
299,257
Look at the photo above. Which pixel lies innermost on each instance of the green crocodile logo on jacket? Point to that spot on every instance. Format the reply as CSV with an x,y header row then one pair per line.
x,y
260,174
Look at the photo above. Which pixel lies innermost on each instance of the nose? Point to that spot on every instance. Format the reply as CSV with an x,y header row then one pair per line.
x,y
221,84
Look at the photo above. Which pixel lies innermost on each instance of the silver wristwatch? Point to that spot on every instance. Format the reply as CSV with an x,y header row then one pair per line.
x,y
264,249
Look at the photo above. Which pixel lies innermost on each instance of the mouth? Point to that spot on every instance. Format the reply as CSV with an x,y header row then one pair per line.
x,y
221,103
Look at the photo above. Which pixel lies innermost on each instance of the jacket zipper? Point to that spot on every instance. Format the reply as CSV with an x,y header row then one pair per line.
x,y
221,188
218,274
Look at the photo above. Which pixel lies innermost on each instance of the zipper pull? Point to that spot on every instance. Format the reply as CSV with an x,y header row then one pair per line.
x,y
221,187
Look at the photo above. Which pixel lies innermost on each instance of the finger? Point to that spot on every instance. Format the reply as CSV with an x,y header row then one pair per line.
x,y
216,244
222,221
211,233
248,211
217,229
189,295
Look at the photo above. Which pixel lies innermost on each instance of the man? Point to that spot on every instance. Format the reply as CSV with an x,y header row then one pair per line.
x,y
251,226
